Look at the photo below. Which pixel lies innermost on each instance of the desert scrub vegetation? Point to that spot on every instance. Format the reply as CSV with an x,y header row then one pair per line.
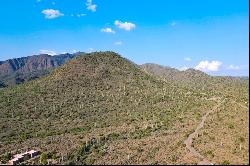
x,y
83,93
4,158
90,150
226,137
97,92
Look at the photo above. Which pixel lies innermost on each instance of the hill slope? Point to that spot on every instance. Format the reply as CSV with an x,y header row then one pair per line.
x,y
190,77
200,81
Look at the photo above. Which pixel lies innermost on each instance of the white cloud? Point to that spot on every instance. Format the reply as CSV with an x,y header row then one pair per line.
x,y
126,25
51,13
118,43
91,6
49,52
80,15
187,59
183,68
74,51
173,23
208,66
70,52
233,67
90,50
107,30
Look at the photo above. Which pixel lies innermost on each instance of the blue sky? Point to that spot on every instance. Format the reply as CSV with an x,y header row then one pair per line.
x,y
212,35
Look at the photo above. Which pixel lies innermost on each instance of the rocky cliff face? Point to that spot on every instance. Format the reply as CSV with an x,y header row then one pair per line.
x,y
19,70
32,63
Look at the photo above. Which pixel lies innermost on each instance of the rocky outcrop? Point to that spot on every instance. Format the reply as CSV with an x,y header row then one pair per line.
x,y
19,70
33,63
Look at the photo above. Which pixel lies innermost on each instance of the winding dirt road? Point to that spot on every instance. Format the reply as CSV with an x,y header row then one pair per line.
x,y
189,140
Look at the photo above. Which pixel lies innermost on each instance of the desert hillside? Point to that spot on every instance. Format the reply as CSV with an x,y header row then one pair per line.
x,y
101,108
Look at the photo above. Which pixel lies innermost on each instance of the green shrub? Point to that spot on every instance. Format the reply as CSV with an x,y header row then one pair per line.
x,y
43,158
231,126
225,162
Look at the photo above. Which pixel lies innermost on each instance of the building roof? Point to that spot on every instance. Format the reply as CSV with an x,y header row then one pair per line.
x,y
32,151
21,155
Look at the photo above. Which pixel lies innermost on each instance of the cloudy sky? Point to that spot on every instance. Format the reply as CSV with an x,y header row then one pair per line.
x,y
211,36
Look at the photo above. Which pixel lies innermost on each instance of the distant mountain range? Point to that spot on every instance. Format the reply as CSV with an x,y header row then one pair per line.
x,y
177,75
194,78
173,74
19,70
